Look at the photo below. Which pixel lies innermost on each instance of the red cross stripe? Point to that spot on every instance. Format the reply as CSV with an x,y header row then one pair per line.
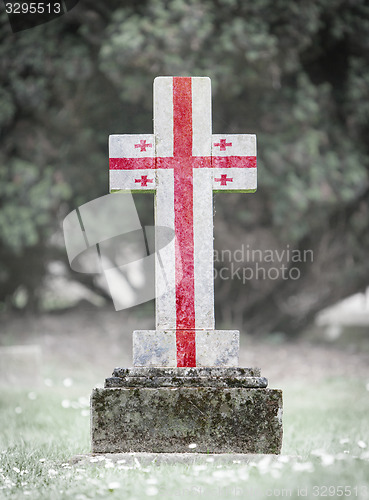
x,y
143,145
223,180
183,161
144,180
223,144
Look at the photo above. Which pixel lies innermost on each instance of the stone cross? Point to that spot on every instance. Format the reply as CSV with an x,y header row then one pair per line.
x,y
183,163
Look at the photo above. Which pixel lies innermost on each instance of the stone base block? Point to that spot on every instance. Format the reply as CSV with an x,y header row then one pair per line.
x,y
170,419
158,347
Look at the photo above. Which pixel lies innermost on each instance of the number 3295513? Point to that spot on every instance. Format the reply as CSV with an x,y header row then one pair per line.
x,y
33,8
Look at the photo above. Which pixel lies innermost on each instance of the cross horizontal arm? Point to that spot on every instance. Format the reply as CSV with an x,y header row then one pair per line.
x,y
234,162
132,162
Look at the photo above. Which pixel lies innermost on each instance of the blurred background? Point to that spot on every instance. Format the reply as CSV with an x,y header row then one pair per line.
x,y
294,73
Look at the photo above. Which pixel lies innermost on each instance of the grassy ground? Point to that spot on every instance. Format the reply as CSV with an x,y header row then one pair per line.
x,y
326,425
326,430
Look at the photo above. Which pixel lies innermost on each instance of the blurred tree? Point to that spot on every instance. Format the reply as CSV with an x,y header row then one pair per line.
x,y
296,74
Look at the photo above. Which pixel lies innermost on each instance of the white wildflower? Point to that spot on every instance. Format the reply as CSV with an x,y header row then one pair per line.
x,y
303,467
83,401
67,382
275,473
327,460
152,491
114,485
318,453
264,464
199,467
340,456
192,446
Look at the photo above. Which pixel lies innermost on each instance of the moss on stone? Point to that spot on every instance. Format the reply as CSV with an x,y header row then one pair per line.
x,y
218,420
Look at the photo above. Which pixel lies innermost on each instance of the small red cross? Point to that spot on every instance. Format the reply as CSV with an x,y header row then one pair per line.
x,y
143,145
224,179
223,144
144,180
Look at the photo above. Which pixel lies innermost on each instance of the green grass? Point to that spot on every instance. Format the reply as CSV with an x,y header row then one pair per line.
x,y
325,430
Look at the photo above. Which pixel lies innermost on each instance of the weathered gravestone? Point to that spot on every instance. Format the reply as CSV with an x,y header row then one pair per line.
x,y
185,387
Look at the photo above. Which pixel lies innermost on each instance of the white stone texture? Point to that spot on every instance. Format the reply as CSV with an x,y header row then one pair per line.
x,y
217,347
132,146
203,249
163,116
133,180
201,116
243,180
165,304
154,348
241,145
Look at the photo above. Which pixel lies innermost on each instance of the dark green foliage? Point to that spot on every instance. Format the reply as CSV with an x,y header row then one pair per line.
x,y
294,73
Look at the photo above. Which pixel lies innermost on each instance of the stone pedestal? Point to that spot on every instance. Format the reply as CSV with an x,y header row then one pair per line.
x,y
159,347
165,410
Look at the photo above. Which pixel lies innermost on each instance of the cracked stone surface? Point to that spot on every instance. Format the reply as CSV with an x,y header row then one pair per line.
x,y
186,372
167,419
186,377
